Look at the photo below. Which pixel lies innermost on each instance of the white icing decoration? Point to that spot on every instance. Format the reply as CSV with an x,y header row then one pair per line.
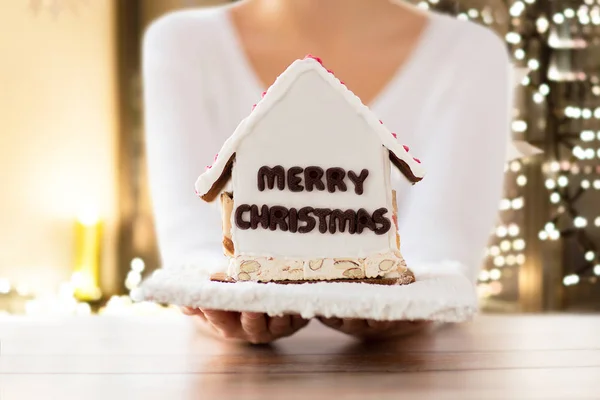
x,y
279,88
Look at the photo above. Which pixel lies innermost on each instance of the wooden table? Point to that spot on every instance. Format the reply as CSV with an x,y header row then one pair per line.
x,y
494,357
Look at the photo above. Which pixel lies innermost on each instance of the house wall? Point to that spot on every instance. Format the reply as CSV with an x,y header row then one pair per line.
x,y
57,120
328,133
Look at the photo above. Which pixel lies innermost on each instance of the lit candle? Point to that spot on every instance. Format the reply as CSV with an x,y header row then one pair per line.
x,y
86,274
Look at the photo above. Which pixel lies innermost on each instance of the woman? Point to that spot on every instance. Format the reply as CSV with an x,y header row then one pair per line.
x,y
442,84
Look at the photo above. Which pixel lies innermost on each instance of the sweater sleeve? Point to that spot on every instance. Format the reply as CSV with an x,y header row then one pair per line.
x,y
180,142
450,214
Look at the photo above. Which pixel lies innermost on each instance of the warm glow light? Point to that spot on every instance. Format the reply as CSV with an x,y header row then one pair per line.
x,y
137,265
555,198
558,18
88,216
520,54
570,280
562,181
533,64
587,136
590,255
521,180
597,270
579,152
518,203
499,261
544,89
4,286
494,251
517,8
473,13
542,24
495,274
501,231
550,184
580,222
484,276
519,244
513,230
513,37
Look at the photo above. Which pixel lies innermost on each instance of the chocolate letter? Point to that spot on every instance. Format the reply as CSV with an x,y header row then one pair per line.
x,y
358,180
312,178
378,218
293,180
322,214
278,216
270,174
335,178
363,220
303,215
293,220
262,218
339,219
239,216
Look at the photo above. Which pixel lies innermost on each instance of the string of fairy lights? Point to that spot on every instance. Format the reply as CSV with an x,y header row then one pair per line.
x,y
505,251
553,39
572,33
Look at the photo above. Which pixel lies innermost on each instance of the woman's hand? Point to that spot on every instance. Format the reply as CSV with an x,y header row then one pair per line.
x,y
250,327
371,329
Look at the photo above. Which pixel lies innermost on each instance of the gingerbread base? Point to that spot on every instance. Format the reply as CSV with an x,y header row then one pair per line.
x,y
405,279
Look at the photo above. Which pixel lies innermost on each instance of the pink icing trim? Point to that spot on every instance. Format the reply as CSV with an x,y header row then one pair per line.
x,y
417,160
317,59
394,135
381,122
253,107
330,71
263,94
216,156
342,82
208,167
406,148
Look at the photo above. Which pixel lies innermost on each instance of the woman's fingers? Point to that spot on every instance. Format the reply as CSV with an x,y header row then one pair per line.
x,y
279,326
226,322
379,325
354,326
248,326
298,322
371,329
255,327
196,312
334,323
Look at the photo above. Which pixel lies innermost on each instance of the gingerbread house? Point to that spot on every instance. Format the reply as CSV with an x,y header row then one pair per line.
x,y
309,172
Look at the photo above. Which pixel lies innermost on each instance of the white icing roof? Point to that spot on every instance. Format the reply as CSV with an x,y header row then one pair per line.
x,y
399,154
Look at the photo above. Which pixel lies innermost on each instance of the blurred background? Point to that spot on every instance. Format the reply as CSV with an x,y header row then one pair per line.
x,y
76,231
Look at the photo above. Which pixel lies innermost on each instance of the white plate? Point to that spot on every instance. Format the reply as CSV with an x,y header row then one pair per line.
x,y
441,293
